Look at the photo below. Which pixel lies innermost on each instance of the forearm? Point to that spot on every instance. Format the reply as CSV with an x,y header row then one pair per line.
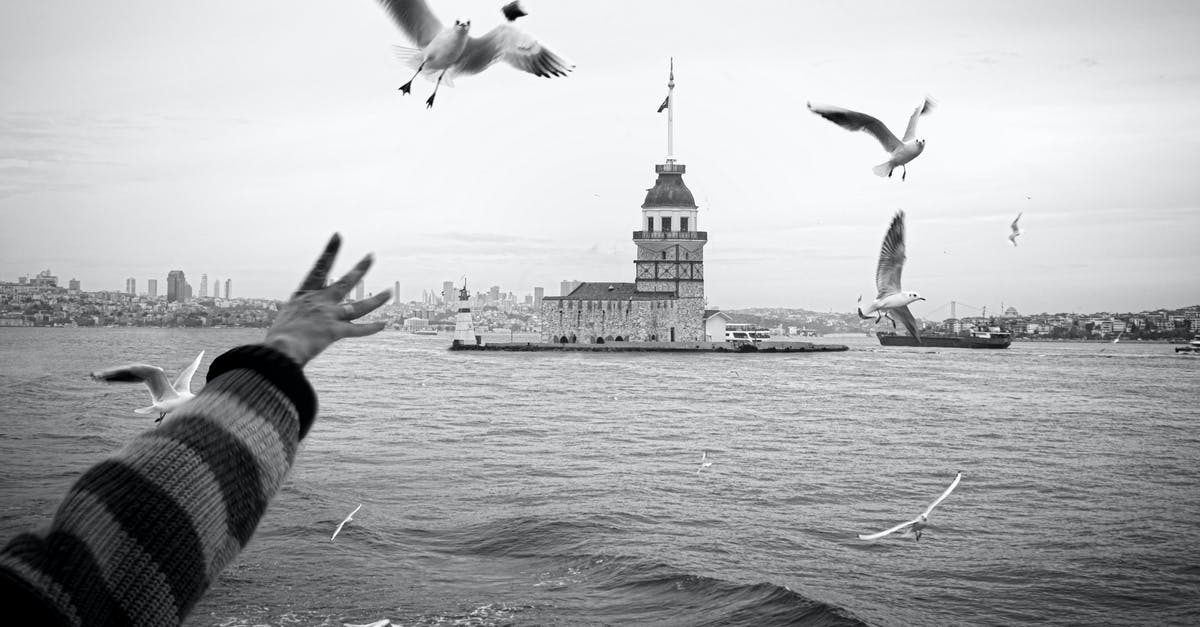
x,y
141,535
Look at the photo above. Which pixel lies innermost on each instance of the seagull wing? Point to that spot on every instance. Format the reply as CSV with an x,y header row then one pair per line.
x,y
891,258
911,131
183,383
900,527
1016,228
513,10
413,17
907,318
517,48
343,523
152,376
954,484
855,121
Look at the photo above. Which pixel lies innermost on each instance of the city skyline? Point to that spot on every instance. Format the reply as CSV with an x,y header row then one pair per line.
x,y
1042,111
519,296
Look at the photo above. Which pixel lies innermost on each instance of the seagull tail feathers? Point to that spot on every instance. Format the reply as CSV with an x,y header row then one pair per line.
x,y
412,57
884,169
144,410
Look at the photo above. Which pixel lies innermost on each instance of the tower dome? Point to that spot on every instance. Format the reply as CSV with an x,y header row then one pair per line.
x,y
669,190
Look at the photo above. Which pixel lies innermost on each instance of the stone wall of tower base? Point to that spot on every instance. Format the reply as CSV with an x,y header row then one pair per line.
x,y
584,321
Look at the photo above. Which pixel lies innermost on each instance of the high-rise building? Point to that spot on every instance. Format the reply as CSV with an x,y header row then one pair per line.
x,y
566,287
187,291
130,286
228,289
538,293
358,291
449,294
152,288
493,294
216,288
203,286
176,287
73,285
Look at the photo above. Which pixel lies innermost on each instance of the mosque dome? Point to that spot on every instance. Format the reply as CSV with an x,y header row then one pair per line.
x,y
669,190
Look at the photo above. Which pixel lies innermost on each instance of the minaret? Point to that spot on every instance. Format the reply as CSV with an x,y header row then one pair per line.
x,y
464,325
670,244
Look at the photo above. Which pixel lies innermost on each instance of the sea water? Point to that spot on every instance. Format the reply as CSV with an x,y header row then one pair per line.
x,y
563,489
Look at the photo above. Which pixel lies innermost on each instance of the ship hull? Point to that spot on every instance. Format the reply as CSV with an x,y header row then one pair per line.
x,y
947,341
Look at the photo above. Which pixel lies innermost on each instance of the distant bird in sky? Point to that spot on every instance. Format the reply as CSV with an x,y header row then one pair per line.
x,y
890,299
450,52
165,395
915,526
343,523
1016,230
901,150
705,462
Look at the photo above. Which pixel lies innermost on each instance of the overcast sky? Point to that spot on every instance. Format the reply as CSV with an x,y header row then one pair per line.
x,y
232,138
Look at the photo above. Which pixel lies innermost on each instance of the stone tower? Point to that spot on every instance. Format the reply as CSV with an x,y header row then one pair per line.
x,y
670,244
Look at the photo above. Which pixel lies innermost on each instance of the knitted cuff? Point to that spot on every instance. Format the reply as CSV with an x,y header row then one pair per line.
x,y
282,371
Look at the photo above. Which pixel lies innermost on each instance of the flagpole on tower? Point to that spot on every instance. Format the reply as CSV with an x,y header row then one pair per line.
x,y
671,114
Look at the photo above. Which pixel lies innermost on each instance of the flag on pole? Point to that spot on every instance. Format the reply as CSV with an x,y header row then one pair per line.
x,y
666,101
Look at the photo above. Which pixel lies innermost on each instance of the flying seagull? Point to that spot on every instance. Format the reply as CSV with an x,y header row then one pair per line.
x,y
343,523
901,150
449,52
165,395
891,300
915,526
1016,230
704,462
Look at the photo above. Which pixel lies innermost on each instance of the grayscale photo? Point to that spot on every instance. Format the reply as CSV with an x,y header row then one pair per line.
x,y
375,313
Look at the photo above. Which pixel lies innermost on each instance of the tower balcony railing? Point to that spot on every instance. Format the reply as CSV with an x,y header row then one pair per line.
x,y
689,235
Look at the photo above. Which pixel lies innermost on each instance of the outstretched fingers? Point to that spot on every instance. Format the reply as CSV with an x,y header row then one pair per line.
x,y
347,329
320,271
360,308
343,286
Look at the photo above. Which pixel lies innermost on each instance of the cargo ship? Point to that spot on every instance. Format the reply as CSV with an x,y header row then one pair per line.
x,y
973,338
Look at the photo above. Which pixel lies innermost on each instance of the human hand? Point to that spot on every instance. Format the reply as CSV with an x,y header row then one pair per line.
x,y
315,317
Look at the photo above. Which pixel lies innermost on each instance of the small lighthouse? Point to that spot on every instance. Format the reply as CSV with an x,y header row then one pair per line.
x,y
464,324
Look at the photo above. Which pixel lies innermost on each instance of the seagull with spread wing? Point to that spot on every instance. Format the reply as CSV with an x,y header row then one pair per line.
x,y
705,462
890,299
901,150
166,395
915,526
1016,230
451,51
343,523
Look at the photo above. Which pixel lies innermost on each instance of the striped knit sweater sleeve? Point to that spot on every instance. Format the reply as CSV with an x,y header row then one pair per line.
x,y
141,535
